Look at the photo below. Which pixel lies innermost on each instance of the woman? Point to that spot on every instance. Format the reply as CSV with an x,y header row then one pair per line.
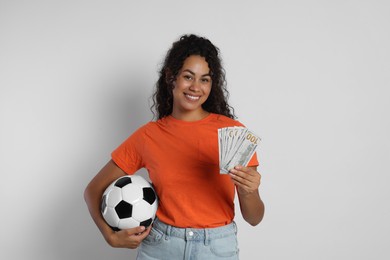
x,y
180,152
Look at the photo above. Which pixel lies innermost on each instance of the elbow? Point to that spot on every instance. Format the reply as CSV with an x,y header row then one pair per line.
x,y
254,222
86,194
257,217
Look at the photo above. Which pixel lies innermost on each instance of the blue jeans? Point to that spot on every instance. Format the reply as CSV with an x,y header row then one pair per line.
x,y
166,242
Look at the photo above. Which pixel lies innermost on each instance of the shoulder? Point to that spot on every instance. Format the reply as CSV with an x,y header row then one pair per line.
x,y
143,130
148,127
226,121
153,127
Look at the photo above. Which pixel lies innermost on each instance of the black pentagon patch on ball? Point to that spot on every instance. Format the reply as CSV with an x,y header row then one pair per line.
x,y
146,223
103,205
124,209
149,195
122,182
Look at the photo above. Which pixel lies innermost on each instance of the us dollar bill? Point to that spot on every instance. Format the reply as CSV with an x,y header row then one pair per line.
x,y
236,147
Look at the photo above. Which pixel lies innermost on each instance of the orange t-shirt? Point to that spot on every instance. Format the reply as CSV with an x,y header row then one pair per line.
x,y
182,160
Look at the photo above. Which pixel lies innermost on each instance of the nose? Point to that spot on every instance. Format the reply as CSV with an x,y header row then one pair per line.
x,y
195,86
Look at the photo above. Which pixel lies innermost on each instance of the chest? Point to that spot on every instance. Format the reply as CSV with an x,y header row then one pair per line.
x,y
183,151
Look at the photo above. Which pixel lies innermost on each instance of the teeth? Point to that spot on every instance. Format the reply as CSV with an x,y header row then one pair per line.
x,y
192,97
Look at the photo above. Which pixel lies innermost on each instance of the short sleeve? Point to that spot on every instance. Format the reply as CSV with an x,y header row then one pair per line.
x,y
128,155
253,161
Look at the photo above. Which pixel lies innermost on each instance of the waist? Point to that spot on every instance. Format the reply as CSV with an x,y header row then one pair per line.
x,y
196,233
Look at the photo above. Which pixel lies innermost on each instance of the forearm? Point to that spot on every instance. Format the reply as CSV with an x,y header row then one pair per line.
x,y
93,203
93,194
127,238
252,207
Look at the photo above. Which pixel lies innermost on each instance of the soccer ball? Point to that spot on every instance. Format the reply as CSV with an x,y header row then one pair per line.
x,y
128,202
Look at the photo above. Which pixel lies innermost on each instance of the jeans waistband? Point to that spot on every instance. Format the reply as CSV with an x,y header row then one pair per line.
x,y
204,234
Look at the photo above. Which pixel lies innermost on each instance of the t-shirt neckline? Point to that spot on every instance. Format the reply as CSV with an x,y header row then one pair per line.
x,y
205,119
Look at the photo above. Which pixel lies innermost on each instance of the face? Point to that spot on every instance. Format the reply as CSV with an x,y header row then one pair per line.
x,y
191,88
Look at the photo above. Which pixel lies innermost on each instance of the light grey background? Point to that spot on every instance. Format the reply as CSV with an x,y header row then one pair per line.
x,y
310,77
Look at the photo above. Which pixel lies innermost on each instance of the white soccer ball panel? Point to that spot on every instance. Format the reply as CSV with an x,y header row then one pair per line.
x,y
139,180
128,223
154,207
132,193
111,217
143,211
108,188
114,196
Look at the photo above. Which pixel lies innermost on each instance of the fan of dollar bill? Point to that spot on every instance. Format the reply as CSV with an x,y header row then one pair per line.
x,y
236,147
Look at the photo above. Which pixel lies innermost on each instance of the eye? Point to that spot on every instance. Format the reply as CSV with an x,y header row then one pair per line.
x,y
187,77
206,80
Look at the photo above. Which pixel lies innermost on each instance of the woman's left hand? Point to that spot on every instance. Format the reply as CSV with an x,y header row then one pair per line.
x,y
247,179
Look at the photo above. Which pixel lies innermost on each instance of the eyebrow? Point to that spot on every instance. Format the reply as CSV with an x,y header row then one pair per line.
x,y
193,73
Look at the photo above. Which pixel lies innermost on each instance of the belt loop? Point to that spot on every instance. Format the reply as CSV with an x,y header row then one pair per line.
x,y
168,232
206,237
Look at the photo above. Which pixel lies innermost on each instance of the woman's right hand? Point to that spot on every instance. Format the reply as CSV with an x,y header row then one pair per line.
x,y
128,238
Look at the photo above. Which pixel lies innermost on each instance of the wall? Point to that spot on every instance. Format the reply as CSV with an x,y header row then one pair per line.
x,y
310,77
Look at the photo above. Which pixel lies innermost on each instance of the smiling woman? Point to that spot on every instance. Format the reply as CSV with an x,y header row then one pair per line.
x,y
180,152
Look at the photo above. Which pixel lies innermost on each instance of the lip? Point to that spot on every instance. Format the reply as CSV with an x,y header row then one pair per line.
x,y
191,97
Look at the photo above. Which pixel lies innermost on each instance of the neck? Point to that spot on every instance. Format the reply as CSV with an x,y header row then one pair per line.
x,y
190,116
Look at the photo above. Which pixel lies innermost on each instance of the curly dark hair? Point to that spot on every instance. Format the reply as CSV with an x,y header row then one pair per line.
x,y
186,46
